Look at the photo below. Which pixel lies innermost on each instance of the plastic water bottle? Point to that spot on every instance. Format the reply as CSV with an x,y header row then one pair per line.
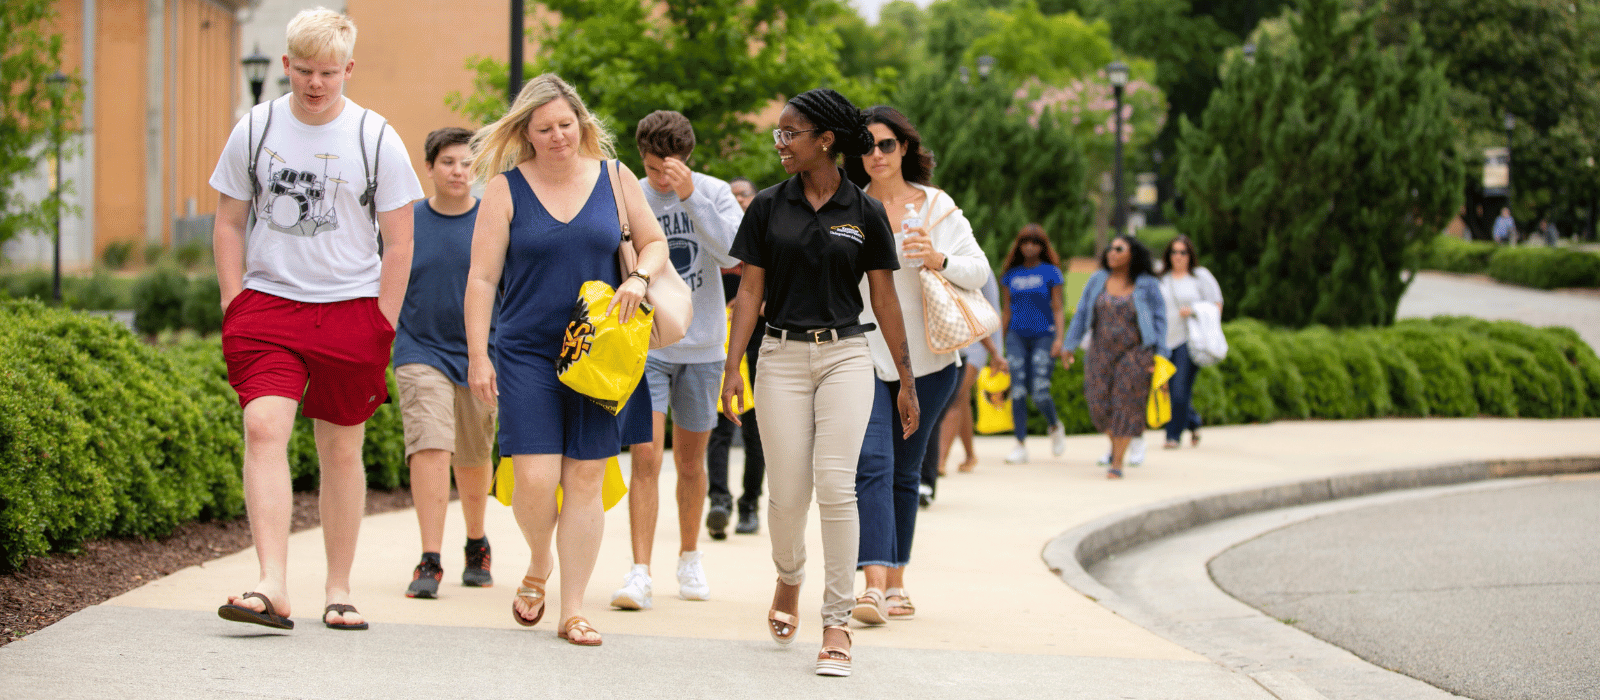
x,y
911,220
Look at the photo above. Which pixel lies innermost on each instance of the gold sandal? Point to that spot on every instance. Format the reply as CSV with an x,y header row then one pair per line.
x,y
897,600
581,625
531,592
832,660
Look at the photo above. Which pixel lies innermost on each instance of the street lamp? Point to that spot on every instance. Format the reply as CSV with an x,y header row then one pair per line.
x,y
1511,125
1118,72
514,81
255,71
58,87
985,66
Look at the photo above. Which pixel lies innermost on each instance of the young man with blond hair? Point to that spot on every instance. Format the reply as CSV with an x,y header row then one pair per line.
x,y
699,216
311,295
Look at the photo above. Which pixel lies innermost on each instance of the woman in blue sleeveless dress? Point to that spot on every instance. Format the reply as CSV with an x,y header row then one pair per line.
x,y
547,224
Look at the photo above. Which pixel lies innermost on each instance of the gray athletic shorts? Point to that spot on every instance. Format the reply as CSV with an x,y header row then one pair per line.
x,y
690,389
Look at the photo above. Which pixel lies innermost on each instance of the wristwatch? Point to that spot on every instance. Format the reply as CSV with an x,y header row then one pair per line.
x,y
641,276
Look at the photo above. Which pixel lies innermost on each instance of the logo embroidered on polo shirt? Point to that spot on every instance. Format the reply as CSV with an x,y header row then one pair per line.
x,y
850,231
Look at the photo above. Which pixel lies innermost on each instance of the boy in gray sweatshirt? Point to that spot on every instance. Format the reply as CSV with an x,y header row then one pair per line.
x,y
700,216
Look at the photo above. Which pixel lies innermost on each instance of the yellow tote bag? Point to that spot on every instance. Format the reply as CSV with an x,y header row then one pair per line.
x,y
744,372
994,403
601,357
1158,411
611,490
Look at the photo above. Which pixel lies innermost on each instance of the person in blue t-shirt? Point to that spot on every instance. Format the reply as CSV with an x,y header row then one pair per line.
x,y
445,425
1031,313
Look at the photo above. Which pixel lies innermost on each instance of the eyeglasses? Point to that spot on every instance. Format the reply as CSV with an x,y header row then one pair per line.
x,y
886,146
1179,251
782,137
1119,249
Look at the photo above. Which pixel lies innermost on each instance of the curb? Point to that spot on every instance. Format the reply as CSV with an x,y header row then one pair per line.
x,y
1070,554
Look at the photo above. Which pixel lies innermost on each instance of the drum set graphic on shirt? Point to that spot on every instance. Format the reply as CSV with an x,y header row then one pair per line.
x,y
299,202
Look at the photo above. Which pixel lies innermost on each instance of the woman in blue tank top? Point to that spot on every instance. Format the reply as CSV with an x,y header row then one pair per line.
x,y
547,224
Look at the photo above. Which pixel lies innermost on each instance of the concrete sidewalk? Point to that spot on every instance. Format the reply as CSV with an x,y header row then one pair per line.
x,y
992,618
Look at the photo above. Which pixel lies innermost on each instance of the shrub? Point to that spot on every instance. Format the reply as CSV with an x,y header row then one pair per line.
x,y
1452,254
1369,381
190,255
101,292
1583,359
116,254
1247,374
158,300
202,306
1406,386
1286,384
1545,268
1448,387
1316,355
153,252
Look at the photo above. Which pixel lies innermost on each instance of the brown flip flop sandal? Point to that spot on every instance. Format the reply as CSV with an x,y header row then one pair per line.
x,y
342,608
576,623
267,618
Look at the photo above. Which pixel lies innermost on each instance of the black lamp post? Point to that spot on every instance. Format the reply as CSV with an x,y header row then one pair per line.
x,y
255,71
1511,126
58,87
514,84
1118,72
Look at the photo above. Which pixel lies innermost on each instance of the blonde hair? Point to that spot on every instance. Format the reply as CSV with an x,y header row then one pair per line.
x,y
321,33
500,146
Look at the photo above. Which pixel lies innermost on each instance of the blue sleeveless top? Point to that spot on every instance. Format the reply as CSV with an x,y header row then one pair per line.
x,y
547,261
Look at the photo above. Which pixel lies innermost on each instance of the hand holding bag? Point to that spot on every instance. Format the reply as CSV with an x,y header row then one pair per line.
x,y
602,357
952,317
667,294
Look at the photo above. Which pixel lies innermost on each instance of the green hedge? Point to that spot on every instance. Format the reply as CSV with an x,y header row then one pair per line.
x,y
1447,366
103,435
1529,266
162,297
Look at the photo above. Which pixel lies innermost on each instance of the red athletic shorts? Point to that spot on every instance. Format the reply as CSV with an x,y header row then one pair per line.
x,y
332,355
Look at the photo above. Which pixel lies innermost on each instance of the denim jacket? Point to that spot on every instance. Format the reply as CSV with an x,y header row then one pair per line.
x,y
1148,304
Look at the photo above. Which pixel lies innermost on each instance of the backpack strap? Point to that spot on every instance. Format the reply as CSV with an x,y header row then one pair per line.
x,y
369,196
254,146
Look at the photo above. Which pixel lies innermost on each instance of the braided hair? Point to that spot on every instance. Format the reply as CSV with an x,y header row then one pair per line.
x,y
828,110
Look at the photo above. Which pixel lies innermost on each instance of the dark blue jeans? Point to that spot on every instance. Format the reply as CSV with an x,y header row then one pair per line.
x,y
1184,416
1031,367
890,468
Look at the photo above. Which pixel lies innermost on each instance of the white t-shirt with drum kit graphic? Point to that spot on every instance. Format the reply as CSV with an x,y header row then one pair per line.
x,y
313,239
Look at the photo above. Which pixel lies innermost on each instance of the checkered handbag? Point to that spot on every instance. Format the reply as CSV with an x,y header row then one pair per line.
x,y
954,317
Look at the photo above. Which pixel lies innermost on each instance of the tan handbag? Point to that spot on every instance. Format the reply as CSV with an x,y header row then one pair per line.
x,y
952,317
668,295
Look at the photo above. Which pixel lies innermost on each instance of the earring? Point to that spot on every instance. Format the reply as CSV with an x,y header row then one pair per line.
x,y
824,149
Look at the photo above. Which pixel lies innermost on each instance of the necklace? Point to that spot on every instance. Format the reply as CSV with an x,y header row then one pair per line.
x,y
896,203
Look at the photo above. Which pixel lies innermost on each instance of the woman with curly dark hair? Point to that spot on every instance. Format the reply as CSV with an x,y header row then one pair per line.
x,y
1032,294
1122,304
806,243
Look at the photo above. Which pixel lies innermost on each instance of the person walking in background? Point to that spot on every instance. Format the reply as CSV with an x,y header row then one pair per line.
x,y
1505,228
958,420
806,244
699,216
896,171
445,425
755,465
547,224
1183,286
1547,229
1122,306
1032,315
311,301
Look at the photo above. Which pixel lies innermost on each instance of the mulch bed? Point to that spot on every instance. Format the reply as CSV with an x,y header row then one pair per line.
x,y
47,589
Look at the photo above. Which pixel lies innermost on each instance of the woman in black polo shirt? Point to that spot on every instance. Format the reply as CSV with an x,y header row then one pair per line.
x,y
806,243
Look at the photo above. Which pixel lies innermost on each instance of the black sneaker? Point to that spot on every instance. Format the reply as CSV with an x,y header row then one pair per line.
x,y
749,523
477,571
717,521
425,580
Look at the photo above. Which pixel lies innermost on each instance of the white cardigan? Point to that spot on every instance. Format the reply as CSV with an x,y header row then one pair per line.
x,y
967,268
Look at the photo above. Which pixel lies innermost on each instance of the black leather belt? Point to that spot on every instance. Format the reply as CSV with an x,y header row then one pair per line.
x,y
825,335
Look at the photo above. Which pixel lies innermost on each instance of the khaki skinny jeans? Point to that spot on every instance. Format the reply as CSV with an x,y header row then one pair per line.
x,y
817,399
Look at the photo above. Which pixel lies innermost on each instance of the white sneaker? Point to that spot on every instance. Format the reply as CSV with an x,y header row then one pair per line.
x,y
635,591
1019,455
692,577
1134,457
1058,440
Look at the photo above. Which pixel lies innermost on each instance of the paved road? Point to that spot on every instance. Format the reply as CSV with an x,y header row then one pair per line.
x,y
1493,594
1436,293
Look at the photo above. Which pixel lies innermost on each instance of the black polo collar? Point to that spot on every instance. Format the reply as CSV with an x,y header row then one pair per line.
x,y
844,197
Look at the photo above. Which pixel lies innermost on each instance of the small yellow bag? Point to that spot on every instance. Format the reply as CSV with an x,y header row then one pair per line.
x,y
744,373
611,490
601,357
1159,408
994,403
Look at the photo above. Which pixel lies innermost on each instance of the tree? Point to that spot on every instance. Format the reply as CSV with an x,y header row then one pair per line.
x,y
29,114
1319,171
717,61
1001,169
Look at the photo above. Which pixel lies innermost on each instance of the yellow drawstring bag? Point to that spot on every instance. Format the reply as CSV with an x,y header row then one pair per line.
x,y
744,371
602,357
1158,410
611,490
994,403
